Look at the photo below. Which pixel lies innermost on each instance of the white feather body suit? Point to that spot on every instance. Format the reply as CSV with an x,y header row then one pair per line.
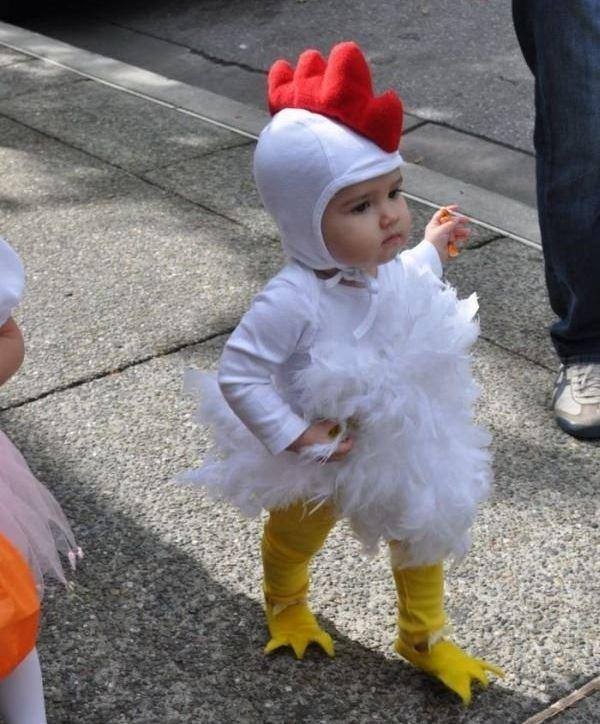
x,y
419,466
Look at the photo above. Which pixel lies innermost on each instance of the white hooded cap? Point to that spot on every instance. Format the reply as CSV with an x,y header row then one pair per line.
x,y
302,160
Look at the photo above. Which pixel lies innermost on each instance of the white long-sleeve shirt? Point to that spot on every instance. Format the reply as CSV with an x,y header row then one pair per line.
x,y
273,340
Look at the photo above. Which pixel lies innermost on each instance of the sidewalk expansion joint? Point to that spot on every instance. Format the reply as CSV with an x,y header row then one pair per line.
x,y
57,139
422,122
516,353
207,154
34,91
484,242
227,63
116,370
193,51
512,81
473,134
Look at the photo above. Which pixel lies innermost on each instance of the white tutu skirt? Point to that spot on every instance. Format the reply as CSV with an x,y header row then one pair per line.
x,y
31,518
420,465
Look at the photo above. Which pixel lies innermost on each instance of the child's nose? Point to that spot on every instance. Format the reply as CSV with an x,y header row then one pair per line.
x,y
389,216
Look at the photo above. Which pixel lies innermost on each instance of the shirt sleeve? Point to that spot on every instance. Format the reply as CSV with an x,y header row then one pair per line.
x,y
12,280
268,334
424,254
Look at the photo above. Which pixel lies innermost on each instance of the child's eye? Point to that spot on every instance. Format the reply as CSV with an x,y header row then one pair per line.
x,y
395,193
360,208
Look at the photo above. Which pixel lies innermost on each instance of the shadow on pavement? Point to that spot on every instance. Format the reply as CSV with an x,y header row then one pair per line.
x,y
149,634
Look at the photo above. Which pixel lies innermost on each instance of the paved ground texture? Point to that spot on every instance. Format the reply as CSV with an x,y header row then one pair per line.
x,y
144,242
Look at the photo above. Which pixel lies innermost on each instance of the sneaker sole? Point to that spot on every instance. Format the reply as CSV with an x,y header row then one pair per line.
x,y
583,432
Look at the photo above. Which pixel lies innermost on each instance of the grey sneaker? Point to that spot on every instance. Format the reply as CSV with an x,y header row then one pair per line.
x,y
576,399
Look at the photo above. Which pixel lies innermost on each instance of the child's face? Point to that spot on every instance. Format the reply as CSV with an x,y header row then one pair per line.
x,y
366,224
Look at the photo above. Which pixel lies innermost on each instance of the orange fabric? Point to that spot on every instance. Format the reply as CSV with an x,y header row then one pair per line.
x,y
19,608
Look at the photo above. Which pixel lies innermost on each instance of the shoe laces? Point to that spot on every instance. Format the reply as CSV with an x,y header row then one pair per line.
x,y
586,381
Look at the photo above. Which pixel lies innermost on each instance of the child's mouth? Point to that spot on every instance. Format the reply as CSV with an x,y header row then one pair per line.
x,y
394,240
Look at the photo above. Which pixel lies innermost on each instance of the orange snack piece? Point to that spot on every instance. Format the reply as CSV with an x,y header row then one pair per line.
x,y
19,608
452,248
445,215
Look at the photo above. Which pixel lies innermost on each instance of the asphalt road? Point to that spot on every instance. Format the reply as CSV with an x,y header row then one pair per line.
x,y
455,62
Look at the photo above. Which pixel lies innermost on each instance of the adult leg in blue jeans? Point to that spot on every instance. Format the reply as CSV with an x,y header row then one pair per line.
x,y
561,43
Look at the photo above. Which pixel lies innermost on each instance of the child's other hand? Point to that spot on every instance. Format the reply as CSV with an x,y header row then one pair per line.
x,y
440,233
12,349
319,434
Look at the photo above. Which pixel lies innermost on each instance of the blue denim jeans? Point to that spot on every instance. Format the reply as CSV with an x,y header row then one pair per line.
x,y
560,40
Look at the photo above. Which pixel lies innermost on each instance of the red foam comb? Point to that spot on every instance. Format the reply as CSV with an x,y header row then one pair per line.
x,y
340,88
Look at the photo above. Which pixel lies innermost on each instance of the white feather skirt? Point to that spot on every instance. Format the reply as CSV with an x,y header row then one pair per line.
x,y
420,465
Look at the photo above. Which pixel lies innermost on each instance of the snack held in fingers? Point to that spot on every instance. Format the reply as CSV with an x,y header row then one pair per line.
x,y
447,215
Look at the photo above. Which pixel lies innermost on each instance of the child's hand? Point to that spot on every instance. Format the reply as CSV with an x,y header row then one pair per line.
x,y
321,433
11,349
441,233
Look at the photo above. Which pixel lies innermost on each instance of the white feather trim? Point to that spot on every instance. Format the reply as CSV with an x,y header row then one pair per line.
x,y
419,466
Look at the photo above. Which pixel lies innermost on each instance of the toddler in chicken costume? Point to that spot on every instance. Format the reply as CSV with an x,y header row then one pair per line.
x,y
345,392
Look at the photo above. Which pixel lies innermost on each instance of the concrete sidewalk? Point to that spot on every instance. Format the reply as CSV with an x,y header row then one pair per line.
x,y
144,241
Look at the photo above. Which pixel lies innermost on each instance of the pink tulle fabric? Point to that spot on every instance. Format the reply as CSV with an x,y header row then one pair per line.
x,y
31,518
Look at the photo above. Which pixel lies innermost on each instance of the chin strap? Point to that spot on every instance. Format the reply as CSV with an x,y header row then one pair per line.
x,y
372,285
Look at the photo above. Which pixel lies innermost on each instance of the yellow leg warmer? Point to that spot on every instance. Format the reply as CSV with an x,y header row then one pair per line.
x,y
291,538
421,622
